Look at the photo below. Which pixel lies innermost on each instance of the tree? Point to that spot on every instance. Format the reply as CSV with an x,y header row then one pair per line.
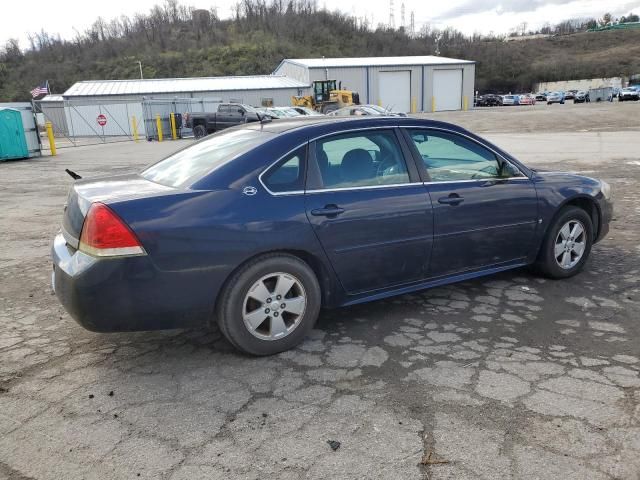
x,y
605,20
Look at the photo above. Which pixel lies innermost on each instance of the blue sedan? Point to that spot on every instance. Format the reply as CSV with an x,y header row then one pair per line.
x,y
260,226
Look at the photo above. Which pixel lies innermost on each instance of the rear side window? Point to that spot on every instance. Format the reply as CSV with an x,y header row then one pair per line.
x,y
368,158
288,174
191,164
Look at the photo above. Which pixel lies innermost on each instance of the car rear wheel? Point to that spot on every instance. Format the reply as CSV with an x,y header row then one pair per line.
x,y
199,131
269,305
567,244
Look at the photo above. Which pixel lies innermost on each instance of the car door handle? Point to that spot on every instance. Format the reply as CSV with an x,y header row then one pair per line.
x,y
327,211
452,199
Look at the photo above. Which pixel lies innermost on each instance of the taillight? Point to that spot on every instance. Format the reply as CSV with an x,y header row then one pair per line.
x,y
104,234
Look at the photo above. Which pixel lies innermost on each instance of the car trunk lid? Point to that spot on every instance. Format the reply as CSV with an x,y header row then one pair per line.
x,y
106,190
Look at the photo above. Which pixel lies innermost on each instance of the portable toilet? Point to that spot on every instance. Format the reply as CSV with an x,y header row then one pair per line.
x,y
13,143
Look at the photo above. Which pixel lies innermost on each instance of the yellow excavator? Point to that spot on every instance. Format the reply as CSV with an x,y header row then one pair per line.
x,y
326,97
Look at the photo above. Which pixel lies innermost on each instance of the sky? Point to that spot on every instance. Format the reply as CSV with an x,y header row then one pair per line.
x,y
65,17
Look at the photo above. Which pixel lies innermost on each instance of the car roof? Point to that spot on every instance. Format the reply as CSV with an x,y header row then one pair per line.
x,y
312,124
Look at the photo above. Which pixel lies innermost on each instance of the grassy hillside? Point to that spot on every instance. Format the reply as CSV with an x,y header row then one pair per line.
x,y
176,41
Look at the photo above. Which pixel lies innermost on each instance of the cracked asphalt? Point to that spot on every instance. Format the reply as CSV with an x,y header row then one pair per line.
x,y
506,377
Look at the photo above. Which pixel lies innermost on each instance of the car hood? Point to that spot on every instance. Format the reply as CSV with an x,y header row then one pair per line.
x,y
567,178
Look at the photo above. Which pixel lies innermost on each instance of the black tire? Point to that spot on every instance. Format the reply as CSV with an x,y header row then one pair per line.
x,y
546,264
229,311
199,131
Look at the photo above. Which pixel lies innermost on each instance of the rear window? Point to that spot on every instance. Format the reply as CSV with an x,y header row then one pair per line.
x,y
191,164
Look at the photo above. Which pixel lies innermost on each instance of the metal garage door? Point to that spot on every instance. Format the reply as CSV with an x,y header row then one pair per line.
x,y
395,90
447,89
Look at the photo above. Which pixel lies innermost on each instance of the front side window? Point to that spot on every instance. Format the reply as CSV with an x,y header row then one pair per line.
x,y
361,159
288,174
451,157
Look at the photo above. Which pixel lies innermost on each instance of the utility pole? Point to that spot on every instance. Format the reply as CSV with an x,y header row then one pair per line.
x,y
392,16
140,65
402,22
412,27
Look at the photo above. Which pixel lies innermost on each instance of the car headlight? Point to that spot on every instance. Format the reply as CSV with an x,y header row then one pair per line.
x,y
605,188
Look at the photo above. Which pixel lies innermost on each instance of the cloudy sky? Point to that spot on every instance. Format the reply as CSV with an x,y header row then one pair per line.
x,y
484,16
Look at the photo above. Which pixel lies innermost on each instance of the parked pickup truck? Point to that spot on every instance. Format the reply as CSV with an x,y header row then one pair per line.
x,y
228,115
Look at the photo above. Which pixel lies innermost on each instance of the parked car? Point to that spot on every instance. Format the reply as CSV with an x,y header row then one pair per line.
x,y
489,100
510,99
283,112
227,115
628,93
526,99
259,226
555,97
581,97
541,96
389,111
570,94
364,110
306,111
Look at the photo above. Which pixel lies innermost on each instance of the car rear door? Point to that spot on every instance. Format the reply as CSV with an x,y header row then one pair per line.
x,y
369,209
485,209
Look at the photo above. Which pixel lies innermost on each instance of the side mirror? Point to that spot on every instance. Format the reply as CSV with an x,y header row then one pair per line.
x,y
241,111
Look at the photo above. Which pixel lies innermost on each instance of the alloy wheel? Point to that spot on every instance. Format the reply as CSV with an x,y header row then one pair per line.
x,y
274,306
570,244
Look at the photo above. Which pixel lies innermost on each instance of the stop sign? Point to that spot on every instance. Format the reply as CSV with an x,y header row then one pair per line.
x,y
102,120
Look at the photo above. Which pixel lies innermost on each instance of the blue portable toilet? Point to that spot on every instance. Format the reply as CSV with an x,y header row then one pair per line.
x,y
13,143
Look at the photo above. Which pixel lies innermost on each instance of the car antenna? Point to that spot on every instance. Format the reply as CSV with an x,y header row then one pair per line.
x,y
73,174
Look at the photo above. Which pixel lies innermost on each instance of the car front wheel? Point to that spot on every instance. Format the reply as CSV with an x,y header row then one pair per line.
x,y
269,304
567,244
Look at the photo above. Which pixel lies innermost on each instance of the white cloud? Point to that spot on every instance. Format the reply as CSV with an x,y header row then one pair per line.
x,y
500,16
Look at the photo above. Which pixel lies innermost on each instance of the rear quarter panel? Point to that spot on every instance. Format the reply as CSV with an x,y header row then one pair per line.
x,y
198,238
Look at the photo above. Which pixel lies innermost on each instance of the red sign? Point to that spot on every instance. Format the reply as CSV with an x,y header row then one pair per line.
x,y
102,120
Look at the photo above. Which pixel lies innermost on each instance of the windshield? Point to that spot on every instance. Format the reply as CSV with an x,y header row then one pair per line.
x,y
377,108
191,164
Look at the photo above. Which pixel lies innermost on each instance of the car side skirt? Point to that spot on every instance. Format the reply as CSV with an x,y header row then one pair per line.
x,y
438,282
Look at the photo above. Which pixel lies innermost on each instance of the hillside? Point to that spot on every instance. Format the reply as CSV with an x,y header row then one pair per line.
x,y
176,41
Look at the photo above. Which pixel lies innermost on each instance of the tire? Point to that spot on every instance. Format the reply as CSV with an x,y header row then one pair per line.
x,y
547,263
199,131
236,304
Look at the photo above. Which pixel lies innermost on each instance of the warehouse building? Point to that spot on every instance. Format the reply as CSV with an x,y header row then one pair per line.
x,y
252,90
122,108
126,108
406,84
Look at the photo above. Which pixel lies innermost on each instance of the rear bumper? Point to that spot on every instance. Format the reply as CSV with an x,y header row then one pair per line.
x,y
127,293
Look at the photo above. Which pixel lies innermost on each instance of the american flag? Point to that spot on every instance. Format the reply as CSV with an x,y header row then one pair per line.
x,y
41,89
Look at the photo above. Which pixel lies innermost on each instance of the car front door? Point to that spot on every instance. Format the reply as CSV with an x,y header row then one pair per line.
x,y
485,209
369,209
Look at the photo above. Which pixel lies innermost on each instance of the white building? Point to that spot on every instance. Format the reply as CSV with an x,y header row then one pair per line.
x,y
253,89
409,84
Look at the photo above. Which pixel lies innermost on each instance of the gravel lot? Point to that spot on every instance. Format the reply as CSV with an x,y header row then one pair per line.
x,y
510,376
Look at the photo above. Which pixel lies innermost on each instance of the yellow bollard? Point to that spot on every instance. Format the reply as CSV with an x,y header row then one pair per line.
x,y
134,127
172,119
433,104
52,142
413,105
159,125
379,103
465,103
